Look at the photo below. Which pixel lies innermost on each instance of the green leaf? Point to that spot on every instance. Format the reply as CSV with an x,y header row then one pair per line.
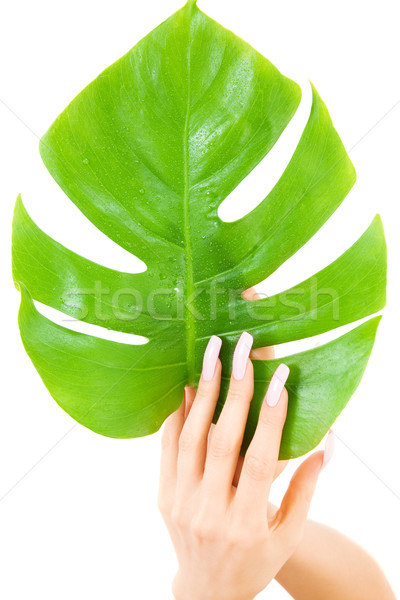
x,y
104,385
148,151
312,384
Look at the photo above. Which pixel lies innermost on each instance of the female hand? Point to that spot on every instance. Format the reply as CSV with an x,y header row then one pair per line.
x,y
226,545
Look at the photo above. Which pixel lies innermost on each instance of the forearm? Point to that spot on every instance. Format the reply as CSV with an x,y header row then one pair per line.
x,y
329,566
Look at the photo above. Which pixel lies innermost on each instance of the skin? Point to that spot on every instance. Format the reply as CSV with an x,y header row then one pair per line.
x,y
226,547
327,566
229,540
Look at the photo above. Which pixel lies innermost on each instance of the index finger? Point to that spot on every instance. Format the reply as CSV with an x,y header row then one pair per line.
x,y
169,455
267,352
262,454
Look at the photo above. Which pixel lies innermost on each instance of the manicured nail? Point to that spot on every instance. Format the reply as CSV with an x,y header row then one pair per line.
x,y
277,384
241,355
210,357
329,448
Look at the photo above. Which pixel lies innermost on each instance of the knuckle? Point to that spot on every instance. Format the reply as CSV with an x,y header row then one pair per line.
x,y
220,445
203,392
257,468
236,393
203,529
178,517
239,537
205,523
269,417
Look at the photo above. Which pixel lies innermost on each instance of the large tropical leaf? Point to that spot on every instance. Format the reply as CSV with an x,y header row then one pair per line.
x,y
148,151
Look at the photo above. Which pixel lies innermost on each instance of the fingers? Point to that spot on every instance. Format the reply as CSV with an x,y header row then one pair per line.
x,y
190,394
260,461
280,467
266,353
250,294
193,438
169,456
227,436
296,502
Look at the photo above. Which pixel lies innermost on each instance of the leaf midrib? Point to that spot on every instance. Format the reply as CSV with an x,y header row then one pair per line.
x,y
189,278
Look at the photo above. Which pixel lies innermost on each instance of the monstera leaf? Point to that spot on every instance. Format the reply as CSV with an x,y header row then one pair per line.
x,y
148,151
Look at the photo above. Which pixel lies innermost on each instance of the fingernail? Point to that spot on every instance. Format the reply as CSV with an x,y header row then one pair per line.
x,y
277,384
329,448
241,355
210,357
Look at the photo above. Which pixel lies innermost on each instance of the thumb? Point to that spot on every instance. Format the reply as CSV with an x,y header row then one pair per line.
x,y
295,505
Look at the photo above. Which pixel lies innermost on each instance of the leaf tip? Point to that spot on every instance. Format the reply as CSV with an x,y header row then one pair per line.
x,y
378,220
17,205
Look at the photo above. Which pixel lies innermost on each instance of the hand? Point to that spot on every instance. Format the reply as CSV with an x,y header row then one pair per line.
x,y
226,545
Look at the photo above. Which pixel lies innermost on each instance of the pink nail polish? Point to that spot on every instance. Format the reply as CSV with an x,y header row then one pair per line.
x,y
210,357
277,384
241,355
329,448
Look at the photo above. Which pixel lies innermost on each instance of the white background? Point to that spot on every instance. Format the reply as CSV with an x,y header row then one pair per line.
x,y
83,522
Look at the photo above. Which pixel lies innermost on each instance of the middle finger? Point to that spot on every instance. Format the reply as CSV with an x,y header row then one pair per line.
x,y
224,445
